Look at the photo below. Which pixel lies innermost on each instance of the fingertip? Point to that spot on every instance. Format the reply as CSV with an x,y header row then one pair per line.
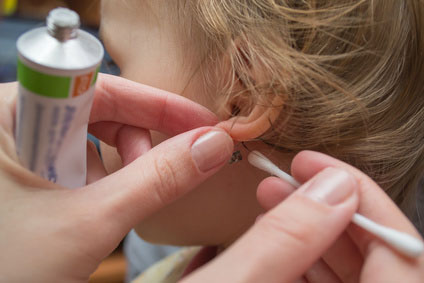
x,y
271,191
331,186
132,142
307,163
211,149
95,167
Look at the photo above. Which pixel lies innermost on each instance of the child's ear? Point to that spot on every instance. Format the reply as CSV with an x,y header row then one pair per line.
x,y
247,122
254,123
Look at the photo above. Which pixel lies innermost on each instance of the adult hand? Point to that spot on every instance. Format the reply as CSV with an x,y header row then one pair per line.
x,y
52,234
286,244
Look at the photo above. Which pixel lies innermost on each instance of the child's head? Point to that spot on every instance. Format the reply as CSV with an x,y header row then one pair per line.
x,y
342,77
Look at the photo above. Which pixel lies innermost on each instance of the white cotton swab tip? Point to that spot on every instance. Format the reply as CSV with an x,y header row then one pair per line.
x,y
402,242
259,160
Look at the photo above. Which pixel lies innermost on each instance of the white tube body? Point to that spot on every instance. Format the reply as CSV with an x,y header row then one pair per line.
x,y
51,135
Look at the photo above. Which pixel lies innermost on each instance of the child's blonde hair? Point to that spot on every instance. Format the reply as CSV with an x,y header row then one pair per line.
x,y
350,73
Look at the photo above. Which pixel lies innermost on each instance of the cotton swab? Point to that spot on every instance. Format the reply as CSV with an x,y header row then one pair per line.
x,y
402,242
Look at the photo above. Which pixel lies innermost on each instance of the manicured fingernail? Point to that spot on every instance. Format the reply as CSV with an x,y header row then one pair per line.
x,y
331,186
211,150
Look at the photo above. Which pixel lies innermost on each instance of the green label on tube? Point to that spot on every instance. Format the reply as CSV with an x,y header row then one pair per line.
x,y
43,84
95,76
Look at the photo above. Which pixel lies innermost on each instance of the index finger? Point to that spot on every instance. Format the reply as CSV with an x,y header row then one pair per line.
x,y
126,102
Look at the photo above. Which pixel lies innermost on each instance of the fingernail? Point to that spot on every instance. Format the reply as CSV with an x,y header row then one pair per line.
x,y
331,186
211,150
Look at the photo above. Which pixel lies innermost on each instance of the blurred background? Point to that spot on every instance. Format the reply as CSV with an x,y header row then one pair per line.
x,y
19,16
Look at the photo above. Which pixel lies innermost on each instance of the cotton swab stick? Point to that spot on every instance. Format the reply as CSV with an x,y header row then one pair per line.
x,y
402,242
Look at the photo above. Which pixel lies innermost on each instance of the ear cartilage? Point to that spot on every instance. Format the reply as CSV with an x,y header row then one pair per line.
x,y
402,242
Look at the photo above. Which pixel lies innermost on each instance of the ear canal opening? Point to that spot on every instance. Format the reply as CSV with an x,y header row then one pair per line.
x,y
235,110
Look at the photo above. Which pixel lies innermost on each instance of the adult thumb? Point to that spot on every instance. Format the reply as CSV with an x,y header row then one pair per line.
x,y
287,240
158,177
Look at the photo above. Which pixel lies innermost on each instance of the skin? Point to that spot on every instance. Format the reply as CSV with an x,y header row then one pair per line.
x,y
156,57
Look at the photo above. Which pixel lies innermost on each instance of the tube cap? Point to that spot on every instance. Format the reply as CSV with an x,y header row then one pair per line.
x,y
63,23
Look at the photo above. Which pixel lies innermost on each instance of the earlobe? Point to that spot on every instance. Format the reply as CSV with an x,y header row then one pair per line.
x,y
256,123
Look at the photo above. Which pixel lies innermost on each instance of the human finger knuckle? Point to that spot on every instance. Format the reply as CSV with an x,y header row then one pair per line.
x,y
166,185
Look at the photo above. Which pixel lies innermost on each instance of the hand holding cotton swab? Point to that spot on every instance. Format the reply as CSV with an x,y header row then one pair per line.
x,y
402,242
